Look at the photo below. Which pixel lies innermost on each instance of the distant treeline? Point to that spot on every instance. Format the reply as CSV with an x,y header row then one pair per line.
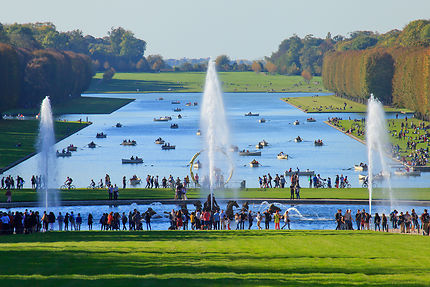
x,y
397,73
28,76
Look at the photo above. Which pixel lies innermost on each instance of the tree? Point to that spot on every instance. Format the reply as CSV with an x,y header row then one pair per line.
x,y
256,66
307,76
108,74
142,65
270,67
222,63
156,62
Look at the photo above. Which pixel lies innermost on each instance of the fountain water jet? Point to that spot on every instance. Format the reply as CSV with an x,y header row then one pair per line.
x,y
377,147
214,127
46,162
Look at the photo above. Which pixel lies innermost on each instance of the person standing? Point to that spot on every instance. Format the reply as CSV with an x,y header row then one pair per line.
x,y
115,192
110,190
416,225
259,218
358,219
267,219
286,220
148,221
250,219
425,219
292,190
60,220
90,221
384,223
124,221
277,220
297,190
72,221
377,221
78,222
269,180
66,222
124,182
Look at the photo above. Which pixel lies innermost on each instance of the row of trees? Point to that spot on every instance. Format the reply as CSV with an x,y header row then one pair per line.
x,y
30,75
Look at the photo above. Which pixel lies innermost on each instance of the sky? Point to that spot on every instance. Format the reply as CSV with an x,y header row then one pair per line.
x,y
241,29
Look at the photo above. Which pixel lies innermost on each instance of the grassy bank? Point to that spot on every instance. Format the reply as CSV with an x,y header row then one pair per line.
x,y
18,137
81,105
220,258
252,193
358,129
331,104
194,82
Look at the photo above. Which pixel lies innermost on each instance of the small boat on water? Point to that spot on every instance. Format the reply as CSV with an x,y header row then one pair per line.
x,y
132,160
249,153
135,180
129,142
298,139
188,104
311,120
176,102
254,163
72,148
162,119
101,135
179,116
174,126
264,143
118,125
318,143
195,104
362,177
262,120
159,141
259,146
64,153
282,155
161,98
251,115
199,133
300,173
92,145
197,165
167,146
360,167
296,123
177,110
406,172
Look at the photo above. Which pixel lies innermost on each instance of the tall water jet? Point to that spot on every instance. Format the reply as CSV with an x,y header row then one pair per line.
x,y
377,147
47,190
215,129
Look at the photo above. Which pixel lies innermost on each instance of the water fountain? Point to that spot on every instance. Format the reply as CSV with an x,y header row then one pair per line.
x,y
47,189
214,127
377,148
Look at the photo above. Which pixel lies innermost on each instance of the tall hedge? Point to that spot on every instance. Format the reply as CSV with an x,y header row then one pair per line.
x,y
10,77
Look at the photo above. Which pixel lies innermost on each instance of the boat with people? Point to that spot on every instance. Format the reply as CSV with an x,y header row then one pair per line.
x,y
162,119
299,172
134,180
264,143
179,116
197,164
296,122
71,147
311,120
259,146
262,120
160,98
132,160
188,104
177,110
64,153
199,132
176,102
298,139
118,125
318,142
195,104
282,155
407,172
251,115
254,163
101,135
159,141
174,126
360,167
92,145
167,146
249,153
129,142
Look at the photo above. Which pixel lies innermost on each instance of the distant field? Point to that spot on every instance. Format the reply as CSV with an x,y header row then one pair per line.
x,y
194,82
24,132
81,105
251,193
331,104
215,258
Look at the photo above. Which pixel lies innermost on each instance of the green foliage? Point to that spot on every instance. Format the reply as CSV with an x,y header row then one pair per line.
x,y
108,74
223,63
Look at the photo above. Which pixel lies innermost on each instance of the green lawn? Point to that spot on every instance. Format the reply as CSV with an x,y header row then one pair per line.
x,y
331,104
194,82
252,193
394,125
215,258
81,105
25,132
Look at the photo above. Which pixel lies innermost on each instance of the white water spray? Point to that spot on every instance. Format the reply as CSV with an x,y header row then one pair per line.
x,y
377,148
47,189
215,129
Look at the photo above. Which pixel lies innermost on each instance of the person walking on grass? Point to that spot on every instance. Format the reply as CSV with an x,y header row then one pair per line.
x,y
286,220
267,219
277,220
384,223
259,218
416,225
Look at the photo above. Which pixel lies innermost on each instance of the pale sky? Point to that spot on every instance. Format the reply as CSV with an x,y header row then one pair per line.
x,y
242,29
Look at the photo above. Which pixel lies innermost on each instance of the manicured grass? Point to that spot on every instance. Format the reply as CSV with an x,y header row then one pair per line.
x,y
331,104
252,193
394,126
194,82
81,105
215,258
25,132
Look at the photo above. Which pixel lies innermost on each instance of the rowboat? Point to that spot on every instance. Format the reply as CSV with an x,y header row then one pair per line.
x,y
129,143
362,177
177,110
174,126
72,148
199,133
250,153
168,146
162,119
118,125
188,104
264,143
311,120
251,115
197,165
318,143
300,173
129,160
298,139
360,167
262,120
101,135
179,116
296,123
282,155
159,141
259,146
91,145
176,102
254,163
407,173
64,154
